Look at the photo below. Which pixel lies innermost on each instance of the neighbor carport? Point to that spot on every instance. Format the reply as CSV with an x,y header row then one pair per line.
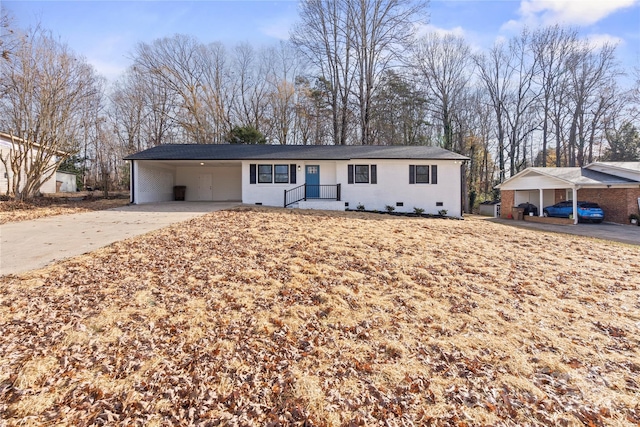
x,y
547,186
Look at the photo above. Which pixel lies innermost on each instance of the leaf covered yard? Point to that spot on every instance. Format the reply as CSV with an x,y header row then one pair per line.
x,y
272,317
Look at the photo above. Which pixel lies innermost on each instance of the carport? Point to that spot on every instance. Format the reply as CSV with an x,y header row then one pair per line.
x,y
547,186
207,181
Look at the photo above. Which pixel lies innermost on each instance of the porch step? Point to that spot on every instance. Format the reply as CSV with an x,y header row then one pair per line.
x,y
325,205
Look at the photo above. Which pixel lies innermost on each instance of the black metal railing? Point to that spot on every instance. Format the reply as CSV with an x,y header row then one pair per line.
x,y
311,191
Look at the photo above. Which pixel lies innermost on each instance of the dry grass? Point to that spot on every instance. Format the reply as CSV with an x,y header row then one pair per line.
x,y
12,211
272,317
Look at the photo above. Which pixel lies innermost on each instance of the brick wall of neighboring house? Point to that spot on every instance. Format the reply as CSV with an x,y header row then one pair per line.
x,y
506,202
617,203
560,195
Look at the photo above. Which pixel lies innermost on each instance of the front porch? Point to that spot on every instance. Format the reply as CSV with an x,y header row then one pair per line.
x,y
313,193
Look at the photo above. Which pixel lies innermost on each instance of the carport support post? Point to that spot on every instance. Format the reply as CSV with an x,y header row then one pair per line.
x,y
541,191
575,205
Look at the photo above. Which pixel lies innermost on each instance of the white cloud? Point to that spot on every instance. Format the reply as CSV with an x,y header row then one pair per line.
x,y
423,29
572,12
599,40
279,27
277,31
108,68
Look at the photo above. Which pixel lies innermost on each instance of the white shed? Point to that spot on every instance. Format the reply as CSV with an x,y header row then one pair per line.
x,y
66,182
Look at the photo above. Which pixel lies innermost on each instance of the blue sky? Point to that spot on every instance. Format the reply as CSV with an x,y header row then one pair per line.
x,y
105,32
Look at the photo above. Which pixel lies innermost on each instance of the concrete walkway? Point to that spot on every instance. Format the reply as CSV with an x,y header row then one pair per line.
x,y
28,245
605,231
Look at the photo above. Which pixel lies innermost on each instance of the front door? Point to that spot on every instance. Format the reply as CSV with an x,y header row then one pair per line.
x,y
312,178
205,187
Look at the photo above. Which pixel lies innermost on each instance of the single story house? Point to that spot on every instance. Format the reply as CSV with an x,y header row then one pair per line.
x,y
305,176
6,174
615,186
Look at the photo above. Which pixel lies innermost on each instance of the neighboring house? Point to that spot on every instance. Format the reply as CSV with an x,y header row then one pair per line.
x,y
319,177
66,182
615,186
6,174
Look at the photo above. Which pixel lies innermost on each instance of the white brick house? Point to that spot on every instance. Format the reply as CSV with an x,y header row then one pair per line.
x,y
322,177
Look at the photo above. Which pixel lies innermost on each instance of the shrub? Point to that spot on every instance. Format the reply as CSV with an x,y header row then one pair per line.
x,y
442,212
418,211
360,207
390,208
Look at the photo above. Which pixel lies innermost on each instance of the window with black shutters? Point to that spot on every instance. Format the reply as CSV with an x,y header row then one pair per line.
x,y
281,174
265,174
362,174
422,174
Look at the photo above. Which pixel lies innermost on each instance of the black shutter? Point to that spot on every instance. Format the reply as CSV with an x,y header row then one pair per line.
x,y
434,174
350,173
252,173
374,174
412,174
292,173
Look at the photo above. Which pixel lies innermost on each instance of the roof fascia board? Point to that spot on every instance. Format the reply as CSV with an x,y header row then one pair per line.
x,y
526,172
614,170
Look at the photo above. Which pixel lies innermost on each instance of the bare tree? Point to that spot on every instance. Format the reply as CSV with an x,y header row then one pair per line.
x,y
552,47
128,109
445,65
179,65
284,66
218,91
497,76
8,41
313,115
591,71
251,74
46,90
522,99
383,31
325,37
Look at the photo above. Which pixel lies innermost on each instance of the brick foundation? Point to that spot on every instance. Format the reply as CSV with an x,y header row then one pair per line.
x,y
617,203
543,220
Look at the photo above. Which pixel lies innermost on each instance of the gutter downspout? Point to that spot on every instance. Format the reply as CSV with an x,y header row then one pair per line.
x,y
464,199
132,182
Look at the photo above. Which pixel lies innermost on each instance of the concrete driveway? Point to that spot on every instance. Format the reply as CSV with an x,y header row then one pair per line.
x,y
28,245
605,231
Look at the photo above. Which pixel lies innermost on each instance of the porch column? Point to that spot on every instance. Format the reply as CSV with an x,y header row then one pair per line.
x,y
575,204
541,202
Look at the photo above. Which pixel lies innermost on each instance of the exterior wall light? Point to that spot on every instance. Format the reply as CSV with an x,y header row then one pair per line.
x,y
201,163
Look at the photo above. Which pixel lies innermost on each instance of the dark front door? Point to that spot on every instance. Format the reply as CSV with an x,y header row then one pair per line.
x,y
312,179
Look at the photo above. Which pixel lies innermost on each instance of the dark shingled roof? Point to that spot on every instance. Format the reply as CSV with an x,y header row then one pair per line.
x,y
292,152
